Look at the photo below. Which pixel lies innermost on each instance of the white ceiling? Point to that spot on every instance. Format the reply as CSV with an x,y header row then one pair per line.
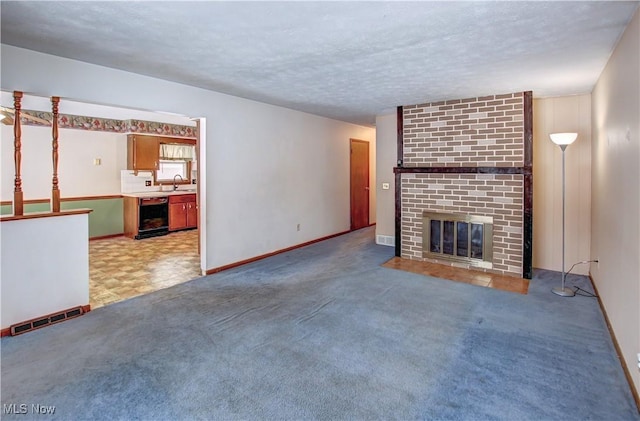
x,y
345,60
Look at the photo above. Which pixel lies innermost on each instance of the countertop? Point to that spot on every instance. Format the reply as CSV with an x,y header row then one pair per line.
x,y
159,193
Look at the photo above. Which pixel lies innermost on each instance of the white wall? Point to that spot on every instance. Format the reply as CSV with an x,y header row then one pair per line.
x,y
267,168
77,174
553,115
58,274
616,192
387,155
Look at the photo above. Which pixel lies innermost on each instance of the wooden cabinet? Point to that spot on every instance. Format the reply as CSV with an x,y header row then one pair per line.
x,y
143,152
183,212
131,216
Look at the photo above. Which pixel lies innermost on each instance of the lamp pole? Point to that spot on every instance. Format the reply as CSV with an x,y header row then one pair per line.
x,y
563,291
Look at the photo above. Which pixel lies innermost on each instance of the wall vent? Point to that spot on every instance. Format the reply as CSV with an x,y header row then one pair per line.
x,y
386,240
43,321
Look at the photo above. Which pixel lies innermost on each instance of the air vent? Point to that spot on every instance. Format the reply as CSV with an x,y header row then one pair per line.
x,y
39,322
385,240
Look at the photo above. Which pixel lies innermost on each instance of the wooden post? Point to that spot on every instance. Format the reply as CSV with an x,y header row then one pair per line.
x,y
18,199
55,192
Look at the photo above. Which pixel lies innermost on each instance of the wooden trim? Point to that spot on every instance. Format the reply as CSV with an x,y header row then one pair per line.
x,y
36,215
26,202
528,129
398,210
55,191
527,228
398,178
273,253
104,237
65,199
18,196
5,332
527,222
173,140
86,308
400,135
616,345
462,170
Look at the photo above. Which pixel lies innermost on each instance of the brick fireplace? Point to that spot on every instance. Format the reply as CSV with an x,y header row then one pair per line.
x,y
466,158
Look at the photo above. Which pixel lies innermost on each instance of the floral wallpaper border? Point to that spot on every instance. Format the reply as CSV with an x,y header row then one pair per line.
x,y
69,121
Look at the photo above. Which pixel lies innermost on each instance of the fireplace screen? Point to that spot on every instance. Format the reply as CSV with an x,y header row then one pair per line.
x,y
462,238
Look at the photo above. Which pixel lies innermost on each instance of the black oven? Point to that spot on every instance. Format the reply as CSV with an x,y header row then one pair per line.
x,y
153,217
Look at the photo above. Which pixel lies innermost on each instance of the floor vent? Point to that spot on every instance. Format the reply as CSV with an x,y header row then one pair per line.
x,y
39,322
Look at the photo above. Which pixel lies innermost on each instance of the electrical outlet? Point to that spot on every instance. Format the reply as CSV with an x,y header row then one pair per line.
x,y
385,186
298,227
638,360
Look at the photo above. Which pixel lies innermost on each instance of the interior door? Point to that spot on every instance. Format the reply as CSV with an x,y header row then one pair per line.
x,y
359,184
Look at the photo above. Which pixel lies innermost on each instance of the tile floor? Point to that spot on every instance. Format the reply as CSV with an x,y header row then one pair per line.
x,y
474,277
121,268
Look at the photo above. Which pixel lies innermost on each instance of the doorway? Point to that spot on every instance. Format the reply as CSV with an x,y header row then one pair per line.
x,y
359,184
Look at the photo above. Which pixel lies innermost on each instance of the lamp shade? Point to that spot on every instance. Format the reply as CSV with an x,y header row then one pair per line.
x,y
563,138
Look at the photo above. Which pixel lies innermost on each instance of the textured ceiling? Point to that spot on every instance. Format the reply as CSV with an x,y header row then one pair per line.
x,y
344,60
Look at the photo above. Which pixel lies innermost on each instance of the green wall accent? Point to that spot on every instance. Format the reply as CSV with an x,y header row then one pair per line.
x,y
107,217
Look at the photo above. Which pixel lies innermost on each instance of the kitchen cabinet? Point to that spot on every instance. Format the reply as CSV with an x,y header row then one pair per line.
x,y
143,152
183,212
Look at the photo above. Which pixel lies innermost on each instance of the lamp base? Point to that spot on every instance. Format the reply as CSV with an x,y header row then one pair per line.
x,y
563,292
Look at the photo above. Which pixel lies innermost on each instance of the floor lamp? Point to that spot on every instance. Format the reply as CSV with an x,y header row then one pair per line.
x,y
563,140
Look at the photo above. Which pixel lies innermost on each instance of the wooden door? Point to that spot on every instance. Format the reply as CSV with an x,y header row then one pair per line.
x,y
359,184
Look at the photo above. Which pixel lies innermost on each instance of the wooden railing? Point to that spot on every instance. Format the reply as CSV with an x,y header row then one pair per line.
x,y
18,199
18,195
55,191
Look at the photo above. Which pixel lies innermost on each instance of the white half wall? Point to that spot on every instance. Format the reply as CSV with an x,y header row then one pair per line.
x,y
268,168
45,266
616,193
553,115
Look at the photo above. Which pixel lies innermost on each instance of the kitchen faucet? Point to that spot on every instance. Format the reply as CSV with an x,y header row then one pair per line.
x,y
175,186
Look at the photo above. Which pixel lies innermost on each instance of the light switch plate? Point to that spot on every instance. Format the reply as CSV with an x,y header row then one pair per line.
x,y
385,186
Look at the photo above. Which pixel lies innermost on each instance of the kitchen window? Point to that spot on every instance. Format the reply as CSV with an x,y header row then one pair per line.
x,y
175,160
168,169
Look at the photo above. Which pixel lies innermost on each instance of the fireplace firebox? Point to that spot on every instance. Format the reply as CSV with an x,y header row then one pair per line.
x,y
459,238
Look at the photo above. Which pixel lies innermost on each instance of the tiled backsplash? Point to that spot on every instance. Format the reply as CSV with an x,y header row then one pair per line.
x,y
132,183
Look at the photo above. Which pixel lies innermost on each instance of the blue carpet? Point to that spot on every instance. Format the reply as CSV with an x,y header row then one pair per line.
x,y
324,332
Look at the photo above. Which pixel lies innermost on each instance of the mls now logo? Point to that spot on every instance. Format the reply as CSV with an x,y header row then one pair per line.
x,y
23,408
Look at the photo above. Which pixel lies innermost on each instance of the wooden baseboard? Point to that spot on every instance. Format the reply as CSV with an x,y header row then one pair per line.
x,y
625,368
273,253
104,237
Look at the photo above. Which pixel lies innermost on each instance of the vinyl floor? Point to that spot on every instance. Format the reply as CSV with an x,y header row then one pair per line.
x,y
121,268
